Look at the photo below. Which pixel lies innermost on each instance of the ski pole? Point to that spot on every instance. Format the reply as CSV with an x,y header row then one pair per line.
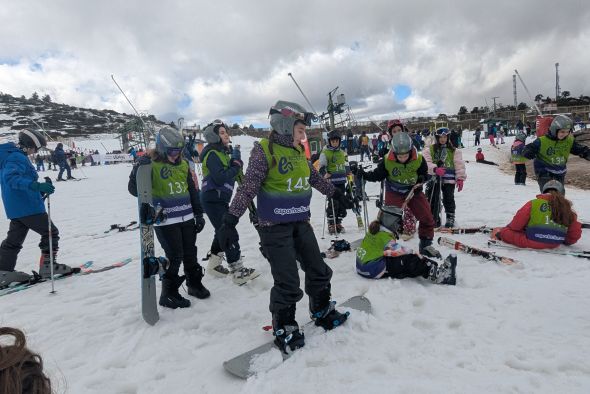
x,y
47,179
334,217
365,213
324,221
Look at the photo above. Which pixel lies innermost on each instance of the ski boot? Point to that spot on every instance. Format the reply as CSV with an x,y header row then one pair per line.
x,y
323,311
340,229
71,177
495,234
17,277
215,267
288,337
427,249
241,274
445,273
194,282
170,297
332,229
450,220
58,269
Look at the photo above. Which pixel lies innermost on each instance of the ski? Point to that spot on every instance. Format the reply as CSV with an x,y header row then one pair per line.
x,y
585,225
120,228
118,264
457,245
464,230
244,365
585,254
353,196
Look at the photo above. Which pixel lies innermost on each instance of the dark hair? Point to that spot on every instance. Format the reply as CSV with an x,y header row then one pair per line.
x,y
374,227
271,138
561,209
21,371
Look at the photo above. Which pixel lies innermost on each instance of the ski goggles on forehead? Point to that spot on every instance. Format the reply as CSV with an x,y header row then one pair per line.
x,y
173,151
442,131
305,117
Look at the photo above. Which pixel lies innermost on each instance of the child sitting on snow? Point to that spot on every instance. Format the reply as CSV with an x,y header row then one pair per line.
x,y
480,158
381,256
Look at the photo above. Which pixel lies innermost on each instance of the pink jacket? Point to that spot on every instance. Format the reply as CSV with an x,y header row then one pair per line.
x,y
460,172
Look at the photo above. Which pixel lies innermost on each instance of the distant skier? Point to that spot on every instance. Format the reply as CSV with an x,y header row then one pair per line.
x,y
544,222
23,203
551,151
477,136
480,158
334,167
446,162
402,169
173,189
60,158
221,169
518,159
381,256
364,145
280,175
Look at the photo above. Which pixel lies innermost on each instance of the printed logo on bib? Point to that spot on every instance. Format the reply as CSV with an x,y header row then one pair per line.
x,y
165,172
285,166
544,207
395,172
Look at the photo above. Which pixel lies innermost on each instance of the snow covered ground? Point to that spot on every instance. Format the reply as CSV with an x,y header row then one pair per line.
x,y
502,329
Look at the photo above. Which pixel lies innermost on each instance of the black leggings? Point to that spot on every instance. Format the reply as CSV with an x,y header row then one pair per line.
x,y
178,242
406,266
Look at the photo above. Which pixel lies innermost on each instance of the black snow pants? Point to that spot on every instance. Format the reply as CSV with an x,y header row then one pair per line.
x,y
339,210
178,242
283,244
448,199
215,208
406,266
17,232
520,175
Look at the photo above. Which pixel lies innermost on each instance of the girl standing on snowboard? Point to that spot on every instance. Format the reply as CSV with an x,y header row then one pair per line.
x,y
174,190
280,176
221,169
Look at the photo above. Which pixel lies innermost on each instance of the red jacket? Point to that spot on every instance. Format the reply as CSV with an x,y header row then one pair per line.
x,y
515,234
479,156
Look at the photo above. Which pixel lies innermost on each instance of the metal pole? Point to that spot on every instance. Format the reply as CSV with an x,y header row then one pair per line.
x,y
528,93
50,240
303,94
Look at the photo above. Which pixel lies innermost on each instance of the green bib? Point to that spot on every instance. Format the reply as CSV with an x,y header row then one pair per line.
x,y
448,159
540,226
224,157
555,153
402,177
372,247
170,190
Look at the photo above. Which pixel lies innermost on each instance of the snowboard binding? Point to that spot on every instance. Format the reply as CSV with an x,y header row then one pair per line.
x,y
150,215
154,266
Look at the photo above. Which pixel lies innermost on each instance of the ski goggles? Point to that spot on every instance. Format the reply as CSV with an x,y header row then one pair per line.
x,y
306,117
173,151
442,131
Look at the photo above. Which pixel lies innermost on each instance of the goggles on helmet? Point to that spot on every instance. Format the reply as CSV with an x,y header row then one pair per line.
x,y
442,131
173,151
306,117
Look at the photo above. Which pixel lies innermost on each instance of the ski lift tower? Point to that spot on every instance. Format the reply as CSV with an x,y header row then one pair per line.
x,y
338,113
136,133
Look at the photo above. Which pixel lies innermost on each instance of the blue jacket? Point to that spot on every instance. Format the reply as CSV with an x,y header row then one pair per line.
x,y
16,175
59,156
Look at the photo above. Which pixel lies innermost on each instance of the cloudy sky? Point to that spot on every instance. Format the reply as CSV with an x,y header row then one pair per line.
x,y
230,59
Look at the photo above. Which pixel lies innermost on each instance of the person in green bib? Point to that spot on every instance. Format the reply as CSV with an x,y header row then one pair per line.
x,y
381,256
334,167
551,151
545,222
221,168
281,177
174,190
518,159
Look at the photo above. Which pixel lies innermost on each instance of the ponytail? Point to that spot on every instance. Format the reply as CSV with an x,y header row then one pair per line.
x,y
271,138
561,209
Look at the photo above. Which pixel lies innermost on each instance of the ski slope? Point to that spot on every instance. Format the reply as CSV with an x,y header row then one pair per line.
x,y
502,329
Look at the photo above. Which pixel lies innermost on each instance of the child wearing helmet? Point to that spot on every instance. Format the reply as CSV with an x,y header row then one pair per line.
x,y
545,222
446,162
480,158
173,188
222,167
281,177
404,169
518,159
334,167
381,256
551,151
22,195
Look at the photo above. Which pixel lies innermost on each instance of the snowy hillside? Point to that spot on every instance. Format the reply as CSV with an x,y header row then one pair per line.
x,y
502,329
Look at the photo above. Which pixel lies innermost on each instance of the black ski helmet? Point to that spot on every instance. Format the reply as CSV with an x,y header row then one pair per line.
x,y
401,143
284,115
391,217
168,138
31,139
554,185
560,122
334,135
211,132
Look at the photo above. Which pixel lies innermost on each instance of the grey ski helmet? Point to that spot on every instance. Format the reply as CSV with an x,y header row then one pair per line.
x,y
211,132
401,143
168,138
560,122
31,139
391,217
554,185
284,114
520,137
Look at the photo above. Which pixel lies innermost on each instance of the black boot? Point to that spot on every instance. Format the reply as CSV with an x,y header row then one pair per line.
x,y
323,311
170,297
194,283
286,330
445,273
427,249
450,220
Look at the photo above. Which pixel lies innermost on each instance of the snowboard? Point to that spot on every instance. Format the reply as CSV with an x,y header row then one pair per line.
x,y
240,366
149,305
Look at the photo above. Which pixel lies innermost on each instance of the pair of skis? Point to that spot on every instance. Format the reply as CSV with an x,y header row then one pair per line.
x,y
131,226
585,254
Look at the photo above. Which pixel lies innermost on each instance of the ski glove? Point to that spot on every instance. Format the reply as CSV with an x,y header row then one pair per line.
x,y
236,154
45,187
227,234
439,171
342,199
459,184
199,223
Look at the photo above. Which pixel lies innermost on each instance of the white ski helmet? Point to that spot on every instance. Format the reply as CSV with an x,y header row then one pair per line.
x,y
284,114
211,132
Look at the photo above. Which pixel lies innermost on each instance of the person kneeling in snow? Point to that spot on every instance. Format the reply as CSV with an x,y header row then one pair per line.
x,y
381,256
543,223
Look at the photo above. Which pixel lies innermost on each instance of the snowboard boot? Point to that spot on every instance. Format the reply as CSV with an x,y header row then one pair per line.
x,y
450,220
14,277
445,273
323,311
214,267
332,229
288,337
194,283
58,269
427,249
340,229
170,297
241,274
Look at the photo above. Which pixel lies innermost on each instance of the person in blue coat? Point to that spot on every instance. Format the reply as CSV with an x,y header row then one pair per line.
x,y
23,203
60,158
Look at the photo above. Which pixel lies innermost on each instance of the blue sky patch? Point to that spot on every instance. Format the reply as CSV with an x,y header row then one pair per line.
x,y
402,92
184,102
36,67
